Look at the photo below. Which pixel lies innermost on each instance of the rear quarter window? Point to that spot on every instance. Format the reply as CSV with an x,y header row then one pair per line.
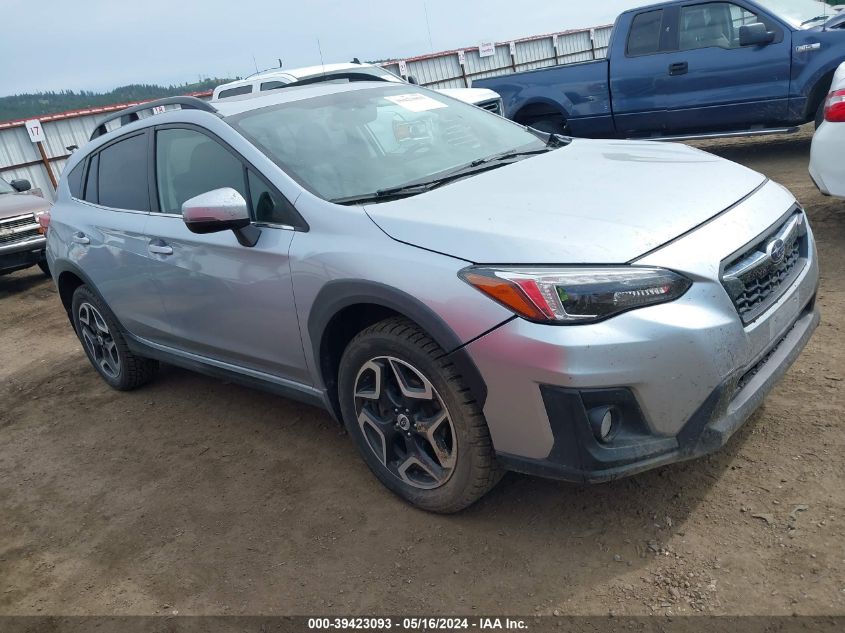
x,y
74,180
235,92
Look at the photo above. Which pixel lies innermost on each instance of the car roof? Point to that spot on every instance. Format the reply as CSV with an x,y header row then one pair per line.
x,y
235,105
308,71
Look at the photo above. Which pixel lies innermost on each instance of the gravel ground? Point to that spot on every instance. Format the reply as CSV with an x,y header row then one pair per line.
x,y
201,497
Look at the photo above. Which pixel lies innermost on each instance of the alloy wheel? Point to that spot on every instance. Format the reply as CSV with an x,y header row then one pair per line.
x,y
405,422
98,340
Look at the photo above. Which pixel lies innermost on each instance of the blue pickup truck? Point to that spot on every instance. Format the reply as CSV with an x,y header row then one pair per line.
x,y
690,68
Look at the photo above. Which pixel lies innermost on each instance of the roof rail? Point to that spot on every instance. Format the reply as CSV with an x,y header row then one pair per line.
x,y
130,115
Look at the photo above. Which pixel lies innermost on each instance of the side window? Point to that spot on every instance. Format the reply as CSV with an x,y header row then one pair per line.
x,y
122,180
644,38
235,92
741,16
189,163
74,180
267,205
91,179
715,24
272,85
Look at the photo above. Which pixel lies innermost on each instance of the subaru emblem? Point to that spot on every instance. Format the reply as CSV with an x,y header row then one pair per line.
x,y
776,250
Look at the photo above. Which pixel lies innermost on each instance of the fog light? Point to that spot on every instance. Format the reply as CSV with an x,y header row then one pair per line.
x,y
603,422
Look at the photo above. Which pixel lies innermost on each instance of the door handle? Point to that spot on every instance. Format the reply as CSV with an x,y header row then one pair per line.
x,y
80,238
679,68
160,248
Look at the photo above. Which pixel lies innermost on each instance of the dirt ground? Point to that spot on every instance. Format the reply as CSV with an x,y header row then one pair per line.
x,y
200,497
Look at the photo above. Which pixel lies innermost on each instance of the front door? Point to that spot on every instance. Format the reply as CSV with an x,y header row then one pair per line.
x,y
226,302
716,84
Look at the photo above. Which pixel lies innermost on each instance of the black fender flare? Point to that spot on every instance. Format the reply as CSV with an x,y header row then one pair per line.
x,y
340,294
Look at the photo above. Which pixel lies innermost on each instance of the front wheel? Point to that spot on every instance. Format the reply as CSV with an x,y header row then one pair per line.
x,y
45,268
413,420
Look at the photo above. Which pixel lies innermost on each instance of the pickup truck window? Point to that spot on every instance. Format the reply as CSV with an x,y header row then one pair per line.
x,y
712,24
644,38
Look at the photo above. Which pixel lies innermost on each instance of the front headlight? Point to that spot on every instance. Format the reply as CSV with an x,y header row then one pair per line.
x,y
571,296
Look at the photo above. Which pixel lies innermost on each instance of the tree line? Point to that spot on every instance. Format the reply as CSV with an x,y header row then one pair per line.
x,y
33,105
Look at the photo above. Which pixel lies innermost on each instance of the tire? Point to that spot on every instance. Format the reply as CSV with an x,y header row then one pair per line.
x,y
552,125
413,419
820,114
104,344
44,267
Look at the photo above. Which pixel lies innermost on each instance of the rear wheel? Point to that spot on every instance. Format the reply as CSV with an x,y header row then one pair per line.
x,y
550,125
413,419
820,114
105,346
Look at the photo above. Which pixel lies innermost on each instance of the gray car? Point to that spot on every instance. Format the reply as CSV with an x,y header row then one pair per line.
x,y
466,295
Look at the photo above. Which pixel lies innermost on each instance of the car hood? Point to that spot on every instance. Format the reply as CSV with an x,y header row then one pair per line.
x,y
473,96
12,204
589,202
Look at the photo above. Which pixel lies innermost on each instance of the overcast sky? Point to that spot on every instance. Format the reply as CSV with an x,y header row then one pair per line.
x,y
101,44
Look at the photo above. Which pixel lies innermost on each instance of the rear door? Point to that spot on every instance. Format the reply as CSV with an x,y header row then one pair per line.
x,y
105,232
716,84
225,302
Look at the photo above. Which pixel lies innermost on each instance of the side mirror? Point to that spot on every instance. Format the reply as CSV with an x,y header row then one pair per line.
x,y
20,185
755,35
413,80
220,210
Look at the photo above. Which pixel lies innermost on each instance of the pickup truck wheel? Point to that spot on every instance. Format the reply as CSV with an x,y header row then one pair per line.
x,y
413,419
551,125
105,346
44,267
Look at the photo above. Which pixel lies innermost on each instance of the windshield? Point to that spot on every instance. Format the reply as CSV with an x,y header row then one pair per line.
x,y
5,187
800,13
355,143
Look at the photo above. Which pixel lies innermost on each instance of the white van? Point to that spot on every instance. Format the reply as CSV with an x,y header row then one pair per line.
x,y
276,79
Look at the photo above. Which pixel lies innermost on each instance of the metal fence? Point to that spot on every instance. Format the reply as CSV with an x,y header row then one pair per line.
x,y
457,68
20,158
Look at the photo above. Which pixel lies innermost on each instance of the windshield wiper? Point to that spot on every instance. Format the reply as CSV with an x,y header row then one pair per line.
x,y
475,167
510,155
816,19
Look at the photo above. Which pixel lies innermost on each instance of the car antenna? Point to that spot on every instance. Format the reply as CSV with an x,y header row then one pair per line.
x,y
322,64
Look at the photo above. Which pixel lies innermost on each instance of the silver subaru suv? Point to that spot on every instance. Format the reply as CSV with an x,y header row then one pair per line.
x,y
466,295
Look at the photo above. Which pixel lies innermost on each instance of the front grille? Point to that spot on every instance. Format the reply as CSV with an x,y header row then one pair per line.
x,y
18,229
494,106
756,278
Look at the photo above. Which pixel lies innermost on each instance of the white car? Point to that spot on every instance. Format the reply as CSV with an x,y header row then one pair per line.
x,y
827,166
353,71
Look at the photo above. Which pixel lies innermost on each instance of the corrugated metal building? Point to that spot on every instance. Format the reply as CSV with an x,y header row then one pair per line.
x,y
20,158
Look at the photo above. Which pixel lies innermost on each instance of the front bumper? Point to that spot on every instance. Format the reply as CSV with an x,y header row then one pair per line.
x,y
23,254
689,372
578,456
